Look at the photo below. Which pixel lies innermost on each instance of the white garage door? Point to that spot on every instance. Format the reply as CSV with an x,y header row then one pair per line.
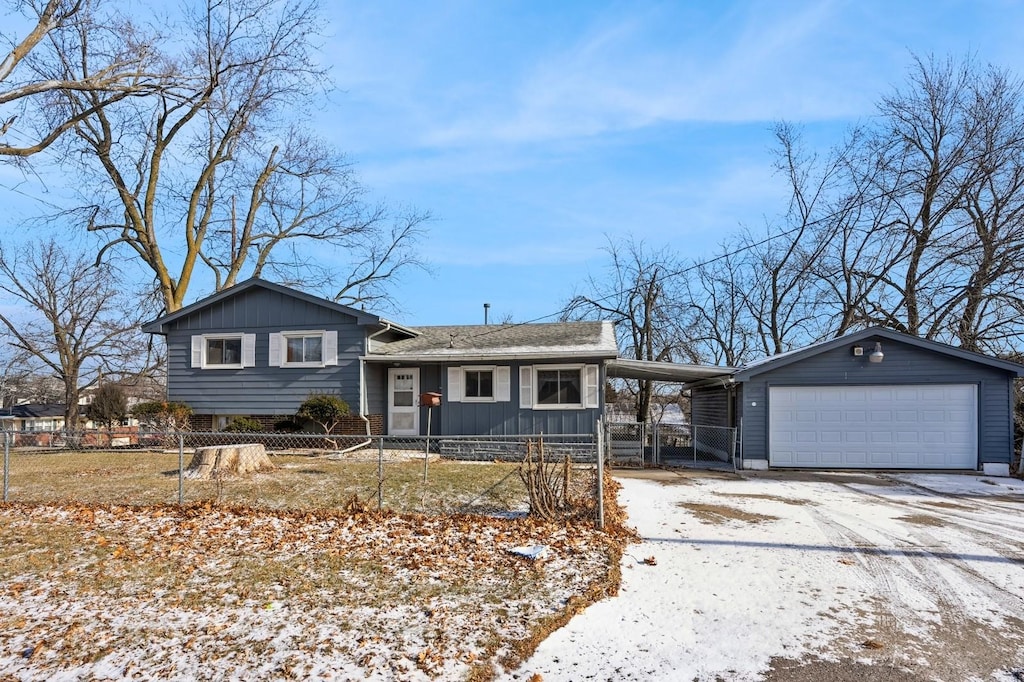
x,y
876,427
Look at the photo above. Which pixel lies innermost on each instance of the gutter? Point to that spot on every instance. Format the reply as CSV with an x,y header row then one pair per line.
x,y
485,357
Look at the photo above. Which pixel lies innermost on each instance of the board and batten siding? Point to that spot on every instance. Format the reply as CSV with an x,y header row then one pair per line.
x,y
505,418
261,389
903,364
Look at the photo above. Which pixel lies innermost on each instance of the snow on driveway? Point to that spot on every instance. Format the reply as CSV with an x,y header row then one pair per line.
x,y
751,577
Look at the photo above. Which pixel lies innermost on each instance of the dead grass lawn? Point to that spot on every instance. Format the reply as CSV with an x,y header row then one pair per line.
x,y
141,477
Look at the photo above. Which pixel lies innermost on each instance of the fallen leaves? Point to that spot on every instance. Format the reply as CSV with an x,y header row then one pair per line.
x,y
237,592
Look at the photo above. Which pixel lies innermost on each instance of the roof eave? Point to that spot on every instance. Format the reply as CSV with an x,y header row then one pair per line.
x,y
488,357
159,325
742,374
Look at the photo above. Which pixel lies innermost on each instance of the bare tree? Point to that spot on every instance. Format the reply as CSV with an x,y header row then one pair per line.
x,y
102,54
78,323
722,331
947,181
639,292
213,167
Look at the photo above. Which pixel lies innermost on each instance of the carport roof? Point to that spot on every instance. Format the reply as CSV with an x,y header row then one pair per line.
x,y
622,368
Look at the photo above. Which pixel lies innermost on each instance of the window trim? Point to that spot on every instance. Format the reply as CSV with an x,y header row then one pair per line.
x,y
493,398
303,334
241,351
537,405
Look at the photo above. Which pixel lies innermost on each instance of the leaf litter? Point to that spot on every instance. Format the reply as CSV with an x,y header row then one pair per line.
x,y
239,593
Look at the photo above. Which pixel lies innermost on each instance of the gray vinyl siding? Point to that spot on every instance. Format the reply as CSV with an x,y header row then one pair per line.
x,y
376,378
261,390
903,364
502,418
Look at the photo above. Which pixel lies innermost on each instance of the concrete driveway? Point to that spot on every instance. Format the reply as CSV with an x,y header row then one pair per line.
x,y
793,576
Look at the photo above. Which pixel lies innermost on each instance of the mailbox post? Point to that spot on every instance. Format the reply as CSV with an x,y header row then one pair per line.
x,y
430,400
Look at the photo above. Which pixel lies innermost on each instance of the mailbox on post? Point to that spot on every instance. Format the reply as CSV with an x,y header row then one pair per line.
x,y
430,400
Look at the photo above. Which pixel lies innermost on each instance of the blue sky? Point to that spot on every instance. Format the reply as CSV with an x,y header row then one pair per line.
x,y
531,130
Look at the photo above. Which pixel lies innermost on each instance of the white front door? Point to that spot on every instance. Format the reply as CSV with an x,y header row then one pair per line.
x,y
403,401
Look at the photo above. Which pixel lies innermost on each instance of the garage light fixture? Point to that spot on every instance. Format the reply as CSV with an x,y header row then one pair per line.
x,y
877,355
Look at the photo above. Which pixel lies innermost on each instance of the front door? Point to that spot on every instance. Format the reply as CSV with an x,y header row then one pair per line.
x,y
403,403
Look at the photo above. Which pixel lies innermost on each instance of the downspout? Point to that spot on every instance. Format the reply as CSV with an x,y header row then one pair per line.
x,y
362,378
362,394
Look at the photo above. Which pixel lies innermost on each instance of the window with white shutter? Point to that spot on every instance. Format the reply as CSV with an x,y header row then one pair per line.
x,y
454,385
526,387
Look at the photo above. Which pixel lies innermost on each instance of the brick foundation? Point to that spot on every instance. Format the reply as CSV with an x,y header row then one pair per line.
x,y
349,426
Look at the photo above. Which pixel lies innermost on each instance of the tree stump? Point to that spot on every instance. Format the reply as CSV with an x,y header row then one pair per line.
x,y
228,460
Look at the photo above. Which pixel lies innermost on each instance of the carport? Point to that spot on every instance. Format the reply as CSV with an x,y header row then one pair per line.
x,y
711,445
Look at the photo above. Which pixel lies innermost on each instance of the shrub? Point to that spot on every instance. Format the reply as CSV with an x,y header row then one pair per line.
x,y
108,406
287,426
325,410
162,415
243,425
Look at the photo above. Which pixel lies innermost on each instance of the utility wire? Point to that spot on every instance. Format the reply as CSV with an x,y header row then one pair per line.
x,y
1011,144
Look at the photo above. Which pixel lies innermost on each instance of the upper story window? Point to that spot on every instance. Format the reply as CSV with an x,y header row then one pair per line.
x,y
304,350
223,351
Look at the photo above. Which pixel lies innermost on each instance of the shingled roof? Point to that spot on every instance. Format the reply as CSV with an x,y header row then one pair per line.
x,y
544,340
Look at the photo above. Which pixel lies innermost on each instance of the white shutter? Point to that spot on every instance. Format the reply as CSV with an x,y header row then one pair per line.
x,y
248,350
197,351
454,385
503,384
274,358
331,348
526,387
591,380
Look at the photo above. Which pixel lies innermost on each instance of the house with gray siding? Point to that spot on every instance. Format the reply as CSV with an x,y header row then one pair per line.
x,y
259,349
875,399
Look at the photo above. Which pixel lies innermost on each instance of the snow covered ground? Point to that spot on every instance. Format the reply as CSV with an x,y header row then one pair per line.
x,y
917,576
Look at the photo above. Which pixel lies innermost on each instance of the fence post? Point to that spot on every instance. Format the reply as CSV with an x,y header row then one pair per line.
x,y
696,441
656,444
181,468
380,473
732,449
599,435
7,460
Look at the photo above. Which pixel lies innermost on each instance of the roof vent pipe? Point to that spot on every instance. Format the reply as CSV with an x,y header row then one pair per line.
x,y
487,307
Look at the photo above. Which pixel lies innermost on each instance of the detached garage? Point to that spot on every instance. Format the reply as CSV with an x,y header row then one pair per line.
x,y
874,399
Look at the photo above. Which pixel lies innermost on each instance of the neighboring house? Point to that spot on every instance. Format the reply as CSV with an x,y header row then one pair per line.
x,y
874,399
32,417
260,349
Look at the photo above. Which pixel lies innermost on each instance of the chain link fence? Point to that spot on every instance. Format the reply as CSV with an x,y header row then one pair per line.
x,y
435,475
692,445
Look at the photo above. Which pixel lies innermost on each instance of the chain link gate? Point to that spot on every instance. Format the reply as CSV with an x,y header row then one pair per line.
x,y
687,445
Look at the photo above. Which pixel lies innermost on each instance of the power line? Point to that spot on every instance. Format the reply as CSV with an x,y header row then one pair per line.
x,y
888,194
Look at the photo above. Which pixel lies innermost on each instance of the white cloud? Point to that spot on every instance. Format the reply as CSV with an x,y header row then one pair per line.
x,y
622,77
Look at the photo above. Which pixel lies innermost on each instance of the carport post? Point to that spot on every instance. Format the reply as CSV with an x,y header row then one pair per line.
x,y
599,442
